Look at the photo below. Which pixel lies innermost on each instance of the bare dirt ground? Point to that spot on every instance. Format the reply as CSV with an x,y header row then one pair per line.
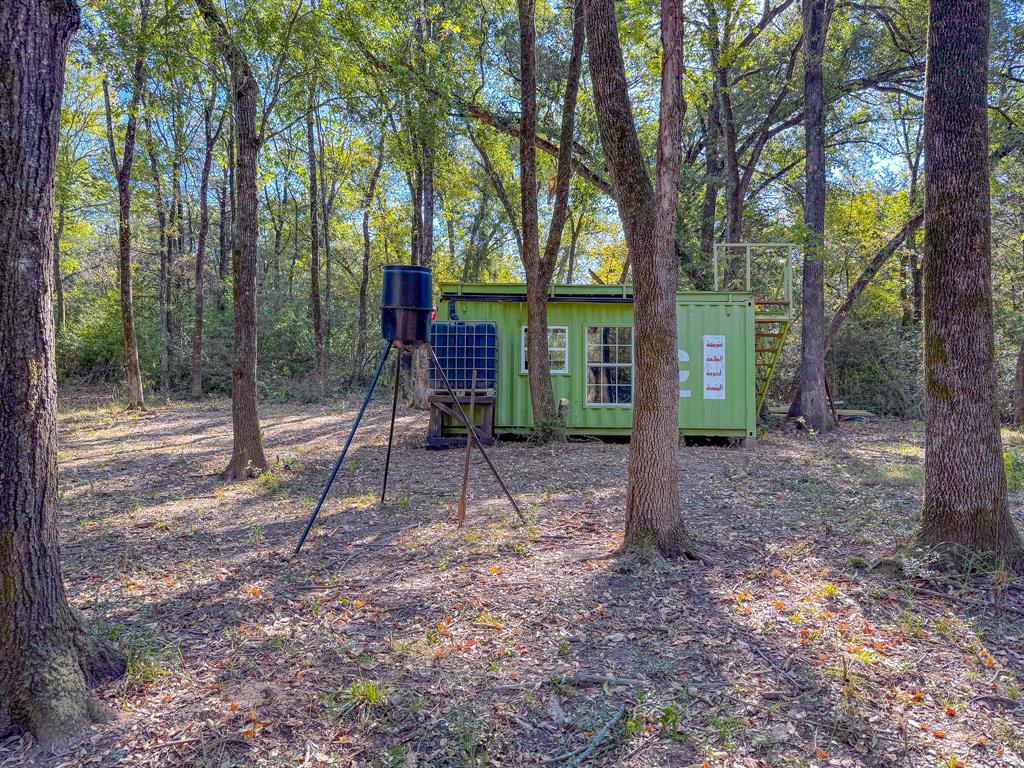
x,y
397,639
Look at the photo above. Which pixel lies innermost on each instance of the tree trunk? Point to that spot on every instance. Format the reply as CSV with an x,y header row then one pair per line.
x,y
326,207
427,201
58,282
813,404
725,120
712,170
1018,389
247,456
123,176
227,208
539,267
222,241
648,219
174,242
314,255
542,397
416,225
425,242
204,228
48,659
364,277
165,255
965,501
877,262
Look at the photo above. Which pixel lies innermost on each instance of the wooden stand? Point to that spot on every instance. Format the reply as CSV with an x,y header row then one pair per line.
x,y
443,404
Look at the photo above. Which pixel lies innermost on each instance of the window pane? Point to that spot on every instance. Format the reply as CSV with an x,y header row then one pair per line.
x,y
557,360
557,337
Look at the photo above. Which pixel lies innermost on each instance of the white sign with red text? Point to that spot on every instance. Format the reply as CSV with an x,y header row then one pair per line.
x,y
714,367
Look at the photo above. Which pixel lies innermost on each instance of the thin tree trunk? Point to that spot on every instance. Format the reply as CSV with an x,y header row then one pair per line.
x,y
204,228
222,241
877,262
326,206
314,254
540,267
866,276
725,121
174,249
228,207
123,175
364,277
48,659
712,170
416,224
247,455
648,219
1018,389
58,282
813,403
575,230
295,247
425,241
427,201
965,502
165,256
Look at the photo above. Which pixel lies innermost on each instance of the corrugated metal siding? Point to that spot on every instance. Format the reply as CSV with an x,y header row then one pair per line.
x,y
699,315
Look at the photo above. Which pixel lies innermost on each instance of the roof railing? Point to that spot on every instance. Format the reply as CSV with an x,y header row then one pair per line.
x,y
754,274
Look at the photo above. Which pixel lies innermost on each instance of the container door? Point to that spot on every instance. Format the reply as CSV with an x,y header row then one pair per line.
x,y
715,356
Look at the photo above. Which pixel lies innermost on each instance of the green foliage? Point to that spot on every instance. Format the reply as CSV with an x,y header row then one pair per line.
x,y
1014,470
386,80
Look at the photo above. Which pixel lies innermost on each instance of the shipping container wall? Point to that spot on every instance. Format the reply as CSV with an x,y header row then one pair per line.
x,y
592,358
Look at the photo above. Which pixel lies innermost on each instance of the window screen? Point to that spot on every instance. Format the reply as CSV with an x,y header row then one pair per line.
x,y
610,365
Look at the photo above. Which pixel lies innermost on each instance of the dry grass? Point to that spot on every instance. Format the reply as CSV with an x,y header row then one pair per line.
x,y
396,639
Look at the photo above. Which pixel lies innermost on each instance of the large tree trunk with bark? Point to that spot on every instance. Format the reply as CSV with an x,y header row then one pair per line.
x,y
204,229
48,658
538,363
965,484
649,219
247,455
813,404
314,253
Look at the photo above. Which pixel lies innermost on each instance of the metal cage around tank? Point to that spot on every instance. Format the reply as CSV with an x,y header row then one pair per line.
x,y
465,348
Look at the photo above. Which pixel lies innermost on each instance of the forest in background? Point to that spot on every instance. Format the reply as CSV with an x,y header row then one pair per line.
x,y
390,134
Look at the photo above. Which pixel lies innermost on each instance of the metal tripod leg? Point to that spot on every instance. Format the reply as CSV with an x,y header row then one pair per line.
x,y
348,442
471,434
391,431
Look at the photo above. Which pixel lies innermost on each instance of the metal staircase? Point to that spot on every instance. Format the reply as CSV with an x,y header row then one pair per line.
x,y
767,275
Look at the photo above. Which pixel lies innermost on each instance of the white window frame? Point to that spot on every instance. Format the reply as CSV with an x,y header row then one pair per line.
x,y
523,353
587,364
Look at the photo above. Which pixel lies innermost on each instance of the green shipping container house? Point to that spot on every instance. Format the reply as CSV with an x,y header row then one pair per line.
x,y
728,342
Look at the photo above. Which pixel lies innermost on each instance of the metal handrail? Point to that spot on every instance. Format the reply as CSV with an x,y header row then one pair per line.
x,y
728,249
